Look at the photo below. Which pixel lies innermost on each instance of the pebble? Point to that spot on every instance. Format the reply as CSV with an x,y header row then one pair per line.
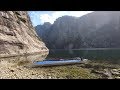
x,y
117,77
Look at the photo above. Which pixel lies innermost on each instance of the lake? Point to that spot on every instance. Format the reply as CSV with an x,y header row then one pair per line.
x,y
20,66
111,55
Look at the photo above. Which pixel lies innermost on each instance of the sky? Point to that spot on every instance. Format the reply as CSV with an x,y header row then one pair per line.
x,y
39,17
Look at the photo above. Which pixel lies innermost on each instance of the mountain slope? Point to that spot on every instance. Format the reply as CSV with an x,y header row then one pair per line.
x,y
100,29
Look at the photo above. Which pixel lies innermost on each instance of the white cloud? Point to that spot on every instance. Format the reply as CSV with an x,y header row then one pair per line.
x,y
59,13
46,18
39,17
78,13
51,18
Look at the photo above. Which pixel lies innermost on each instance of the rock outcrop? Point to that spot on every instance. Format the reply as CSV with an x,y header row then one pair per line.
x,y
100,29
43,30
17,35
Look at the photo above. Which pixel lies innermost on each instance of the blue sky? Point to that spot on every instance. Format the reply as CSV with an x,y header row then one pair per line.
x,y
39,17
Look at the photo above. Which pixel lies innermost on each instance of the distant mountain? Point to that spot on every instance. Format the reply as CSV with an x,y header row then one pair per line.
x,y
100,29
42,29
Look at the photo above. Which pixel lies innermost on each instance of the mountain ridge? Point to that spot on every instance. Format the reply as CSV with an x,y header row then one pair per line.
x,y
99,29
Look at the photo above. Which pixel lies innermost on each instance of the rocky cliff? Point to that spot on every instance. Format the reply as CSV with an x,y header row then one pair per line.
x,y
100,29
17,35
43,30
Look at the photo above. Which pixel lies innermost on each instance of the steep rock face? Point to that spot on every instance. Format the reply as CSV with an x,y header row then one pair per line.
x,y
63,33
17,35
100,29
42,30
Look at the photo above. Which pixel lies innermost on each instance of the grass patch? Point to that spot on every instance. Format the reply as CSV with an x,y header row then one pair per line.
x,y
20,63
71,72
91,70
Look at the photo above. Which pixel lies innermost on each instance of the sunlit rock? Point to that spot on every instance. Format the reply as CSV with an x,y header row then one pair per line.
x,y
17,35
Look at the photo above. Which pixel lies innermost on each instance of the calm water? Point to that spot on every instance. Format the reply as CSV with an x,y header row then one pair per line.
x,y
102,55
97,54
23,60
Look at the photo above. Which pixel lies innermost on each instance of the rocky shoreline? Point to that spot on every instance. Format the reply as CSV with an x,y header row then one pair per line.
x,y
19,69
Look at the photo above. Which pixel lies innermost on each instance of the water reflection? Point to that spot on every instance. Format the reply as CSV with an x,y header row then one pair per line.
x,y
100,54
23,60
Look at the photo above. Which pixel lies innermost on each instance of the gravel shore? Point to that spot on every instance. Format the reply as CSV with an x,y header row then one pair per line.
x,y
20,68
